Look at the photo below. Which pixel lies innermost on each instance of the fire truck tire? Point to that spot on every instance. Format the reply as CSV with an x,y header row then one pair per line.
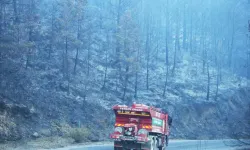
x,y
167,140
160,145
160,148
139,148
152,144
118,148
155,143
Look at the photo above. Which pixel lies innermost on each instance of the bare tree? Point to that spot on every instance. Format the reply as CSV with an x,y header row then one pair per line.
x,y
52,35
184,27
177,43
148,59
136,72
129,40
231,42
106,46
208,81
31,25
80,17
166,49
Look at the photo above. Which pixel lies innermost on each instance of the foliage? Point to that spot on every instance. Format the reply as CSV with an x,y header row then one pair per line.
x,y
7,126
79,134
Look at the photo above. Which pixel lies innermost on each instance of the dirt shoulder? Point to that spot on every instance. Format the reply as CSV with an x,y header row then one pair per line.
x,y
45,143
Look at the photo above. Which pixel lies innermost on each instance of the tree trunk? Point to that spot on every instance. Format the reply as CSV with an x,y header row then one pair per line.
x,y
157,52
66,52
177,43
105,74
27,60
31,30
4,26
29,49
204,55
208,81
88,61
117,41
1,34
218,62
68,78
166,82
166,51
191,36
16,22
136,72
147,56
217,85
78,46
136,84
1,17
231,38
126,82
117,81
166,34
248,53
248,70
106,61
147,76
184,28
76,60
67,64
231,47
15,11
52,32
175,51
85,92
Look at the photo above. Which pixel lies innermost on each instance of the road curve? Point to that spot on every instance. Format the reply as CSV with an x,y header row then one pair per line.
x,y
174,145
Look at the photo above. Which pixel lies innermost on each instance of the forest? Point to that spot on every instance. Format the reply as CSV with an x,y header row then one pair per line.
x,y
131,37
68,56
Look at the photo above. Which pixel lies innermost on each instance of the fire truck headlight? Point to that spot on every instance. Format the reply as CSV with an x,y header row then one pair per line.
x,y
143,131
119,129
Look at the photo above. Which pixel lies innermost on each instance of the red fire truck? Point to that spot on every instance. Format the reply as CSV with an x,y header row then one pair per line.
x,y
140,127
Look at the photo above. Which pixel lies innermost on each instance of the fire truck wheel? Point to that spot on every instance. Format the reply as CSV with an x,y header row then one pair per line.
x,y
152,144
160,148
155,143
159,143
139,148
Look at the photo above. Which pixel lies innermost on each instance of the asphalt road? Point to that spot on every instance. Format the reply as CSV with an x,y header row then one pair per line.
x,y
176,145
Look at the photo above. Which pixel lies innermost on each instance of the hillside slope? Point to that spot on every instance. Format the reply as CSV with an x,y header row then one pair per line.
x,y
36,100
